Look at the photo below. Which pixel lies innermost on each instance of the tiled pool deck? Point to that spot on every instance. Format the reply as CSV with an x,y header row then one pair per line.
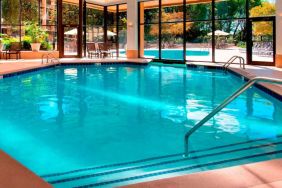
x,y
254,71
257,175
14,66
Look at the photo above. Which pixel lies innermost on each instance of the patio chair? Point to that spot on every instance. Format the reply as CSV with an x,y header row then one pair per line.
x,y
104,50
14,49
91,50
110,45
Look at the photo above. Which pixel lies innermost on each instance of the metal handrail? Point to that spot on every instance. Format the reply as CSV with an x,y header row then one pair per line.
x,y
43,57
227,101
49,56
232,59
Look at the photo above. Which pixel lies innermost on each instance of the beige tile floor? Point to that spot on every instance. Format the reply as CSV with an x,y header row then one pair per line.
x,y
15,175
253,71
266,174
11,66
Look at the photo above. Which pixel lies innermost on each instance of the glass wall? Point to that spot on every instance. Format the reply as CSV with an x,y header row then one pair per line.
x,y
115,23
262,30
172,31
230,39
112,28
70,24
230,30
198,31
212,31
122,29
149,29
16,14
262,8
94,23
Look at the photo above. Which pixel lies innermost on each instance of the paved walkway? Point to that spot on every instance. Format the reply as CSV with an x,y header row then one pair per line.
x,y
256,175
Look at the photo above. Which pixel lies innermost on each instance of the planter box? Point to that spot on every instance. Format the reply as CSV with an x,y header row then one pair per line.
x,y
36,55
279,61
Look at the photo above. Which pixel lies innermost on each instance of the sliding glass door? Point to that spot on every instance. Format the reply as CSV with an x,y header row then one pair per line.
x,y
263,42
70,24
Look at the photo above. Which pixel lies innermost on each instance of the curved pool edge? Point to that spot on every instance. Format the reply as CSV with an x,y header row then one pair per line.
x,y
14,69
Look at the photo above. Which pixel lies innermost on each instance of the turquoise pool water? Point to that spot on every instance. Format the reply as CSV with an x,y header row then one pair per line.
x,y
117,124
176,54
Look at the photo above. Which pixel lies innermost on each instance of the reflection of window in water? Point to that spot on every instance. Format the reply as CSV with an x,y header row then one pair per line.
x,y
262,108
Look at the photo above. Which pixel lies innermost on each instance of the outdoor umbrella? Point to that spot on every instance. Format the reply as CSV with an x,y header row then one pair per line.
x,y
71,32
109,34
219,33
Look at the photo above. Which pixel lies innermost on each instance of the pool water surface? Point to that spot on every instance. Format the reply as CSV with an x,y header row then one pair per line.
x,y
67,118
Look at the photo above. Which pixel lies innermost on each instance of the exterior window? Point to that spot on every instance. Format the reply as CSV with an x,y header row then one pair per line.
x,y
122,29
230,9
262,8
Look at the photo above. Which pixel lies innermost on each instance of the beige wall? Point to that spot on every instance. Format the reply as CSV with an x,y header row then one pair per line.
x,y
279,26
279,33
132,29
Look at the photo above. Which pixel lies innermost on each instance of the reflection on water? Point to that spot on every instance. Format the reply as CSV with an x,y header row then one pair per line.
x,y
172,92
176,94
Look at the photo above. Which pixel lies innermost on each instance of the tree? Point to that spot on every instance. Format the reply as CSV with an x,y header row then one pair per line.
x,y
11,11
170,32
254,3
29,11
264,9
263,28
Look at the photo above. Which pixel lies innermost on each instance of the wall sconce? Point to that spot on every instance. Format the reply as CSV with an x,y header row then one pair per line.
x,y
130,24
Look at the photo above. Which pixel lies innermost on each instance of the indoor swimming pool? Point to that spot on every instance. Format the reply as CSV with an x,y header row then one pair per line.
x,y
117,124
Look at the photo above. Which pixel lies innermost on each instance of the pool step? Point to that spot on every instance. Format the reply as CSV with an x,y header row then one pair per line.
x,y
172,165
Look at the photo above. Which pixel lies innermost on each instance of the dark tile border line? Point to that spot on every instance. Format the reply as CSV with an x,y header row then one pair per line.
x,y
103,63
27,71
181,159
259,86
17,73
176,170
156,158
204,67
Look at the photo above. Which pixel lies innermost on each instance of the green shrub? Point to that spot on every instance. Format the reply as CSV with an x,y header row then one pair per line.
x,y
35,32
242,44
26,40
8,40
45,45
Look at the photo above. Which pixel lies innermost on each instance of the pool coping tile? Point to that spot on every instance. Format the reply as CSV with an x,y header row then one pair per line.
x,y
253,175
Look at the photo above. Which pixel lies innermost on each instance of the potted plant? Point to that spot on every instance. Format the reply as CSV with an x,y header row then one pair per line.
x,y
1,43
2,39
36,34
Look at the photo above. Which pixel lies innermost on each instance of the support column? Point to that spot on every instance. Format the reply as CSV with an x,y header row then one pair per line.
x,y
278,34
132,29
43,13
142,30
